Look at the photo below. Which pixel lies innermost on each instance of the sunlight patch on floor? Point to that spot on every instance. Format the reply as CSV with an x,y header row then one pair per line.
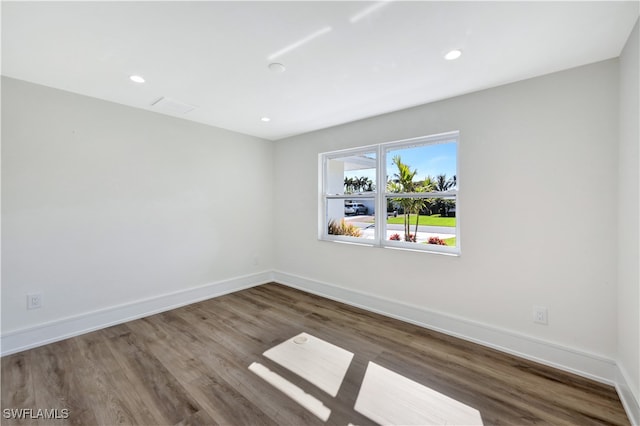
x,y
385,397
320,363
307,401
390,398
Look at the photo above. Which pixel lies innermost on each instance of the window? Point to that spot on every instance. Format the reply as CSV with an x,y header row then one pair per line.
x,y
401,194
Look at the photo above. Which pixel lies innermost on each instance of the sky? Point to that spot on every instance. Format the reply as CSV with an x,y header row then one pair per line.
x,y
429,160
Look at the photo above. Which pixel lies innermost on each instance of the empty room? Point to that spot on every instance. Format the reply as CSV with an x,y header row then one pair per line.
x,y
320,213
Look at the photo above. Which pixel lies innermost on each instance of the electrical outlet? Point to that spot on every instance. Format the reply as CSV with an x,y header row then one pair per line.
x,y
540,315
34,301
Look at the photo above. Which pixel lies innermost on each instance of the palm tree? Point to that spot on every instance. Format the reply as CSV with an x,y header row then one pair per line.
x,y
362,183
403,182
348,184
429,184
417,204
442,183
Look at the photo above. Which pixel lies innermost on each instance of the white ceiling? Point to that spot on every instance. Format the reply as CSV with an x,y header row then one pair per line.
x,y
215,55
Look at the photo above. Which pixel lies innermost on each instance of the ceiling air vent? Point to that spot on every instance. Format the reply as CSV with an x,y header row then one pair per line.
x,y
171,106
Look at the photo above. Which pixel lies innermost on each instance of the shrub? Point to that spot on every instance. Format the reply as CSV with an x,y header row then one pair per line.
x,y
395,237
344,228
436,240
411,238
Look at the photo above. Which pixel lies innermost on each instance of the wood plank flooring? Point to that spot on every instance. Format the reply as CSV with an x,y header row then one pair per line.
x,y
189,366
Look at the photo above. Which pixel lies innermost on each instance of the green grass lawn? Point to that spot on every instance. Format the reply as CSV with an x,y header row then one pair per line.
x,y
433,220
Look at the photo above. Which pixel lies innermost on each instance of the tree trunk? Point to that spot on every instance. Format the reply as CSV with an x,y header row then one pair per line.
x,y
407,226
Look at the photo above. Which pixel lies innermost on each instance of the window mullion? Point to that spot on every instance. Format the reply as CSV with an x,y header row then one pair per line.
x,y
381,206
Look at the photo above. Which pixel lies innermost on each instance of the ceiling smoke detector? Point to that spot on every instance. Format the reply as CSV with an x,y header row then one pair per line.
x,y
277,67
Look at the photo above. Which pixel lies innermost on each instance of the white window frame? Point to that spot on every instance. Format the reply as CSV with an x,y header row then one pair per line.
x,y
380,195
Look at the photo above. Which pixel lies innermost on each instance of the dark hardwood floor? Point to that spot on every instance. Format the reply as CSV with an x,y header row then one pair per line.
x,y
190,366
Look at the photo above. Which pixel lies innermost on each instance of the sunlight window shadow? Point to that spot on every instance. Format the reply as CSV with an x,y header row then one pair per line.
x,y
387,398
320,363
307,401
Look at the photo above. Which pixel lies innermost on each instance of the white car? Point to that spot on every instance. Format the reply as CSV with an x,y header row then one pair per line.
x,y
355,208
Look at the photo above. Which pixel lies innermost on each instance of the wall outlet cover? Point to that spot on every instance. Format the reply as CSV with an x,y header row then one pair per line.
x,y
34,300
540,315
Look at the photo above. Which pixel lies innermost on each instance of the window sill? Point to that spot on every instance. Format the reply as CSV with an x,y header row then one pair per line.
x,y
390,247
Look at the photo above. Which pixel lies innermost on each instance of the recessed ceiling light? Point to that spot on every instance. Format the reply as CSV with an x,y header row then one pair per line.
x,y
265,119
277,67
454,54
136,78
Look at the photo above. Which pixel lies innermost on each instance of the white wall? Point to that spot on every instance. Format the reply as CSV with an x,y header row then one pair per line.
x,y
628,214
104,205
537,209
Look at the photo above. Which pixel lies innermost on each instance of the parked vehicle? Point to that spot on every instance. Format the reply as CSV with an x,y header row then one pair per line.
x,y
355,208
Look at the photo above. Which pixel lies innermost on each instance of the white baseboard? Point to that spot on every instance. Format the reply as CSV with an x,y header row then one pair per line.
x,y
31,337
582,363
630,400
